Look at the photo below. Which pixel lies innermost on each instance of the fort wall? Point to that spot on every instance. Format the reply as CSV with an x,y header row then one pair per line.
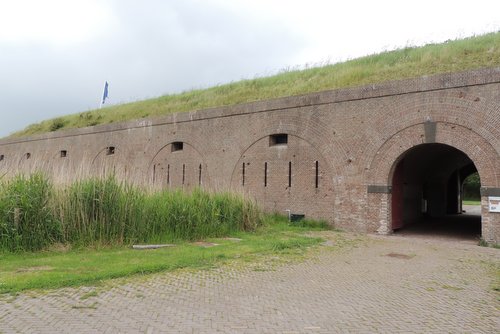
x,y
329,155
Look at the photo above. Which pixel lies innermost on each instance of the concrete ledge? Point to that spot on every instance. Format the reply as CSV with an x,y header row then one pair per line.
x,y
488,191
377,189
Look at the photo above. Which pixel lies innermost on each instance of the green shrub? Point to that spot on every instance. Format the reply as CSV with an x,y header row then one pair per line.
x,y
57,123
472,186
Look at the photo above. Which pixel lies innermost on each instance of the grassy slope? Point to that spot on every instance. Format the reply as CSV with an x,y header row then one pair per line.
x,y
452,56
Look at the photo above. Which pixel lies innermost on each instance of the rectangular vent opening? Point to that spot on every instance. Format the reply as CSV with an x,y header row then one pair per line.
x,y
183,173
278,139
168,174
243,175
64,154
199,175
110,150
2,157
177,146
265,174
289,174
317,175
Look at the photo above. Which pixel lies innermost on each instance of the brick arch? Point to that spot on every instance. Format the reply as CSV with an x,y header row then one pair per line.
x,y
311,191
482,153
479,150
308,126
455,108
45,161
103,165
179,168
29,162
60,168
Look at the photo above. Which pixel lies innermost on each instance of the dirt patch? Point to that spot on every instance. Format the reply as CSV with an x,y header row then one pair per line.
x,y
233,239
205,244
400,256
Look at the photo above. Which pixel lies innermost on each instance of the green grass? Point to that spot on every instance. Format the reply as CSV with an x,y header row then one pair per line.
x,y
471,202
56,269
452,56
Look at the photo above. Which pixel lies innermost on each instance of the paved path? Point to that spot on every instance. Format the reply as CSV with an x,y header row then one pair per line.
x,y
376,285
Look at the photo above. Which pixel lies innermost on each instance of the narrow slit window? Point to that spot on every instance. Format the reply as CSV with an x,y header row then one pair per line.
x,y
64,153
280,139
199,175
265,174
2,157
110,150
243,174
154,173
168,174
177,146
289,174
317,174
183,173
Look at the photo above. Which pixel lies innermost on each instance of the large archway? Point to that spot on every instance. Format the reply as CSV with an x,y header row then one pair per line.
x,y
381,168
427,193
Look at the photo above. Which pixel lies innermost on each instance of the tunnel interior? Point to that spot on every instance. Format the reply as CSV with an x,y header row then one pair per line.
x,y
427,193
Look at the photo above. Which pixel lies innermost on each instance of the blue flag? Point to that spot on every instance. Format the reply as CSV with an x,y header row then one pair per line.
x,y
105,93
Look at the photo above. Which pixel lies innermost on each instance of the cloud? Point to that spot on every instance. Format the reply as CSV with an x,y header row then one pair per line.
x,y
55,55
147,49
56,22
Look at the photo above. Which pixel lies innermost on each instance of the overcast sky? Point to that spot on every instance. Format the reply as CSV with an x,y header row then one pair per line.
x,y
55,55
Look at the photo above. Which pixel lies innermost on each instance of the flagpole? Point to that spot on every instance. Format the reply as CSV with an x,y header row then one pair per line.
x,y
100,100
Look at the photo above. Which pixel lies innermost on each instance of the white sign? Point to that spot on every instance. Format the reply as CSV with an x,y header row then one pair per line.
x,y
494,204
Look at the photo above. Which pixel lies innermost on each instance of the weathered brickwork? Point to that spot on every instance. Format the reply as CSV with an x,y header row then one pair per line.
x,y
327,155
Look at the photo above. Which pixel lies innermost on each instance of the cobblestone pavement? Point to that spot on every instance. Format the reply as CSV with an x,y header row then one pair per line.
x,y
376,285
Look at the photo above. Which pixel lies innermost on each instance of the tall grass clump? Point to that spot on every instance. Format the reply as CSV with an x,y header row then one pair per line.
x,y
27,220
34,215
100,211
190,216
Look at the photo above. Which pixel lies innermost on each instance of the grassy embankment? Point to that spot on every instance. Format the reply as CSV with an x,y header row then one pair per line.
x,y
451,56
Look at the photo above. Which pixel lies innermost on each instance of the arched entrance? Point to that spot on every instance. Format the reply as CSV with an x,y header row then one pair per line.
x,y
427,193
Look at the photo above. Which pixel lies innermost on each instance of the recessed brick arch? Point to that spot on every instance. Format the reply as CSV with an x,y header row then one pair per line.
x,y
379,177
178,164
309,126
283,172
28,162
455,108
109,162
59,165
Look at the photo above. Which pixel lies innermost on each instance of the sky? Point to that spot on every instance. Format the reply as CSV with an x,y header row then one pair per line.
x,y
56,55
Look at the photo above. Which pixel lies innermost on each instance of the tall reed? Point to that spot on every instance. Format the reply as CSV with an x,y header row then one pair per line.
x,y
35,215
27,221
